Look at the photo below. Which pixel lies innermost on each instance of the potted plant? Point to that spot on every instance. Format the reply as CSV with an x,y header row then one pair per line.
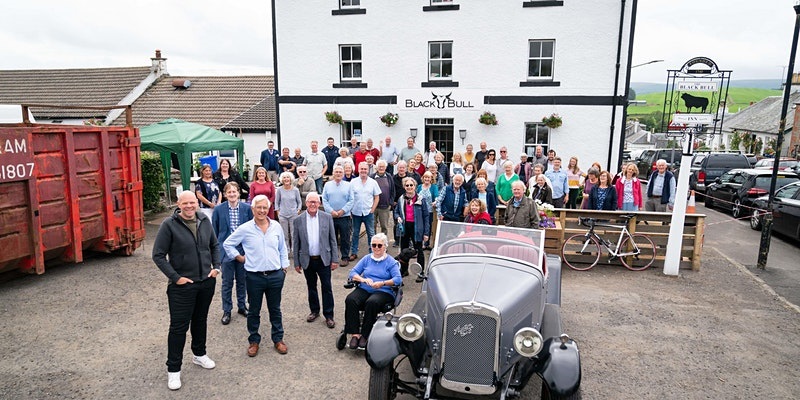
x,y
546,214
333,117
553,121
389,119
488,118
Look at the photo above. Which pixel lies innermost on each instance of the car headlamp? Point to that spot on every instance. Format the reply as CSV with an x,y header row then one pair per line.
x,y
528,342
410,327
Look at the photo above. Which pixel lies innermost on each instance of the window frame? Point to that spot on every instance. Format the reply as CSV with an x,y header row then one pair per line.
x,y
530,147
349,6
441,60
540,58
347,131
352,62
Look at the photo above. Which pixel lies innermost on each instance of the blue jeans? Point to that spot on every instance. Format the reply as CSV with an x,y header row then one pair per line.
x,y
232,269
369,224
629,207
260,285
319,182
343,227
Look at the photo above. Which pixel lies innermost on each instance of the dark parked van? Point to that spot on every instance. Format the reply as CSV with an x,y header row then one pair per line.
x,y
647,160
705,168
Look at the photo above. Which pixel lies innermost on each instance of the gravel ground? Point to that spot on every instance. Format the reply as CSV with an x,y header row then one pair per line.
x,y
98,330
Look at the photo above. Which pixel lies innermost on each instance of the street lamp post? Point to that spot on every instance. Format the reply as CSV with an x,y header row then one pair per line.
x,y
766,232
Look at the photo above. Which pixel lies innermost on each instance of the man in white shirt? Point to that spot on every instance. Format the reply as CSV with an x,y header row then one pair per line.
x,y
317,163
389,153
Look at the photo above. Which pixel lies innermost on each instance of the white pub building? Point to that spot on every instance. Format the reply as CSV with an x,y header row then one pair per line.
x,y
439,65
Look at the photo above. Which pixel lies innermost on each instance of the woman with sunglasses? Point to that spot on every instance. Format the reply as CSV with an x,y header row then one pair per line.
x,y
411,212
490,165
375,274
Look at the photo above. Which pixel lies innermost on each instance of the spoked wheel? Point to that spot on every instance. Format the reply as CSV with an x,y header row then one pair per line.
x,y
737,210
381,383
580,252
647,252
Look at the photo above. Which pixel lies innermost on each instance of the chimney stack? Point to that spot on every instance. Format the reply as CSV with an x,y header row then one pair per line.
x,y
159,64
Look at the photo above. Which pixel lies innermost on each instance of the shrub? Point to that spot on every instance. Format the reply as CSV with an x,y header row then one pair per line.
x,y
153,181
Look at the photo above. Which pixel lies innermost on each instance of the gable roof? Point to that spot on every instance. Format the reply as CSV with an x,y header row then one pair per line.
x,y
213,101
763,116
79,86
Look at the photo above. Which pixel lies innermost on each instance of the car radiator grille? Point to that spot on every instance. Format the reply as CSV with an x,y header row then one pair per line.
x,y
469,348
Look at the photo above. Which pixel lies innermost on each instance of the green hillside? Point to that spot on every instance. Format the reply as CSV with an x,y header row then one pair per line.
x,y
738,99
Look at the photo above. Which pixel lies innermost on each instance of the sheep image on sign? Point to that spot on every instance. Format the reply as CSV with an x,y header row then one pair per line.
x,y
694,102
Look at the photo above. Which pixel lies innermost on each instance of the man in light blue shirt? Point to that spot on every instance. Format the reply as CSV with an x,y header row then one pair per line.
x,y
266,260
366,193
560,185
389,153
337,199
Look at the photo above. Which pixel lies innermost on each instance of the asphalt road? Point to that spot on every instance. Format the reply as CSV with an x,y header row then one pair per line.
x,y
735,240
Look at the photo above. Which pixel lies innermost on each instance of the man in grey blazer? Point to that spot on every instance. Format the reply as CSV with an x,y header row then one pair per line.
x,y
316,254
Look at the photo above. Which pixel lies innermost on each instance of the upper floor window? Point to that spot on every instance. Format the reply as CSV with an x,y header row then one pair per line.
x,y
350,3
540,59
440,60
441,2
350,62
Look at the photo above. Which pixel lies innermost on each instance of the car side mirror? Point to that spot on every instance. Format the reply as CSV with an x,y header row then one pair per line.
x,y
718,180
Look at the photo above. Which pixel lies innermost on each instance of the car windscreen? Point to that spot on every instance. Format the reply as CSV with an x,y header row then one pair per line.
x,y
669,155
727,161
526,245
762,182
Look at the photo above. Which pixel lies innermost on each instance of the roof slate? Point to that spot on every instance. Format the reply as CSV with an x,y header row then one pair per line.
x,y
763,116
79,86
214,101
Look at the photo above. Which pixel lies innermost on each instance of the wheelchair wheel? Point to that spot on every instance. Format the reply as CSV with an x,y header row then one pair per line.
x,y
341,341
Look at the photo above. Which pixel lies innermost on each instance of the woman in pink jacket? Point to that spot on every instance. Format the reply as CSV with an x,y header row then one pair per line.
x,y
629,190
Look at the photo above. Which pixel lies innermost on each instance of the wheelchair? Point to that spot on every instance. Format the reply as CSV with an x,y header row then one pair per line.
x,y
341,340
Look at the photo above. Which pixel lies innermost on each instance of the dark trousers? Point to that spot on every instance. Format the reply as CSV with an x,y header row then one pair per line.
x,y
188,307
371,303
343,226
260,285
232,269
408,238
558,202
317,269
573,198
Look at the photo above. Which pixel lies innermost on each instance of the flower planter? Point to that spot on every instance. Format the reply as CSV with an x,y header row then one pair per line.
x,y
553,238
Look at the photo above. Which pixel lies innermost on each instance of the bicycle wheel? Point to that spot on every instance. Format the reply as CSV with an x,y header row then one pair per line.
x,y
647,252
580,252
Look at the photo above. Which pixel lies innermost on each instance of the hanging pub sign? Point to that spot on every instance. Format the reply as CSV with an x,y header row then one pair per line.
x,y
697,86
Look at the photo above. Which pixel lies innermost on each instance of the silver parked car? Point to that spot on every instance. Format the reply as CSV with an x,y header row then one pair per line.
x,y
487,320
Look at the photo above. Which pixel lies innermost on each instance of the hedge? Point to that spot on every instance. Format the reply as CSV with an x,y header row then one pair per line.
x,y
153,180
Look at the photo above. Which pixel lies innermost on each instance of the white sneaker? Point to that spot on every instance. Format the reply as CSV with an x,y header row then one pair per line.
x,y
204,361
174,380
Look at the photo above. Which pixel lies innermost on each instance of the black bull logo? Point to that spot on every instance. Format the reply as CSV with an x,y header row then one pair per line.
x,y
441,100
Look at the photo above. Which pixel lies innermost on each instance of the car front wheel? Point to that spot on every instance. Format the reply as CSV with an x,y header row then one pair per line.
x,y
738,209
380,383
755,220
546,395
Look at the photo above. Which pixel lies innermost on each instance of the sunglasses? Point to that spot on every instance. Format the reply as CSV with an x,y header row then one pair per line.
x,y
377,245
409,185
502,151
491,154
302,172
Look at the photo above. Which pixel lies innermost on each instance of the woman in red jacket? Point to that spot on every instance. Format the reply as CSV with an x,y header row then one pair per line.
x,y
629,190
477,213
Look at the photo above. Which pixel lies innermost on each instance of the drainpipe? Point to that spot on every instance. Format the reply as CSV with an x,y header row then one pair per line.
x,y
628,74
614,99
275,78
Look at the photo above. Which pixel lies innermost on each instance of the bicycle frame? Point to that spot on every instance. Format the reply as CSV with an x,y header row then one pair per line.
x,y
613,251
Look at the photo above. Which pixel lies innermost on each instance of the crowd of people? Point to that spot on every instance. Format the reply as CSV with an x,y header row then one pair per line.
x,y
307,211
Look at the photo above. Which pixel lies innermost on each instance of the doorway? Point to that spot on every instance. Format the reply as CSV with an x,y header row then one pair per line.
x,y
440,130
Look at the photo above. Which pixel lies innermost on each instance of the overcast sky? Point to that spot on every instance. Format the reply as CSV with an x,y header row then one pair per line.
x,y
212,37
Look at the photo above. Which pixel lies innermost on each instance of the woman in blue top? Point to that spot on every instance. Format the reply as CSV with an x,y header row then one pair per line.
x,y
375,275
430,192
603,196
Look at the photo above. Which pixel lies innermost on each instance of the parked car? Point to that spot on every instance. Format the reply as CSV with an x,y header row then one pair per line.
x,y
487,320
786,164
705,168
752,158
646,162
785,211
737,189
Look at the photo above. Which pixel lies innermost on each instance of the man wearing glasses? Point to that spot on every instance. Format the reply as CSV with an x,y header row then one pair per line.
x,y
304,184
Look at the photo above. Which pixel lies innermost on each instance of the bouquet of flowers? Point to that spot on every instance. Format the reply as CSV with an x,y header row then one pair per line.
x,y
547,214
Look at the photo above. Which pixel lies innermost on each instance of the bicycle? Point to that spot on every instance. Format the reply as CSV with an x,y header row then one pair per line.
x,y
582,251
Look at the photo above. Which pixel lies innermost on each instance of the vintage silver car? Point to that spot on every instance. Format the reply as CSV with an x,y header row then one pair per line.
x,y
487,320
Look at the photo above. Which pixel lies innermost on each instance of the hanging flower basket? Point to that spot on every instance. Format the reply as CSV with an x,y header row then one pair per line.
x,y
553,121
389,119
488,118
333,117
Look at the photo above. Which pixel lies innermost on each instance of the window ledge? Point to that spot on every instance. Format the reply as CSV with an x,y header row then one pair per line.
x,y
539,83
440,84
349,11
542,3
449,7
350,85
